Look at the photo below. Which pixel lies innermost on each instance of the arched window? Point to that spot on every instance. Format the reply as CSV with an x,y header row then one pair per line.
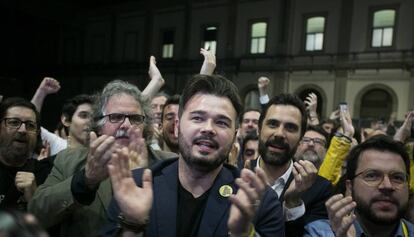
x,y
376,103
303,94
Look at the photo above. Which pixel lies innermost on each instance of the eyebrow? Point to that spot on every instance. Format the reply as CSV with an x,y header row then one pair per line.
x,y
220,116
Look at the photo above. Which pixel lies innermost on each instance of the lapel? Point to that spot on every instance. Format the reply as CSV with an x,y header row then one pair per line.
x,y
165,200
290,179
217,206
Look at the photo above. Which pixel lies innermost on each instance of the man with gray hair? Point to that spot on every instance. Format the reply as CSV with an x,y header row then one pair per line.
x,y
77,191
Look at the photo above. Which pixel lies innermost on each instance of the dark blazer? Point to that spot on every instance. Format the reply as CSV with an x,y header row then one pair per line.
x,y
162,223
53,202
314,199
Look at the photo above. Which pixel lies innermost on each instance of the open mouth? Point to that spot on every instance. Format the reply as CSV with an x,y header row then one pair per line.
x,y
206,145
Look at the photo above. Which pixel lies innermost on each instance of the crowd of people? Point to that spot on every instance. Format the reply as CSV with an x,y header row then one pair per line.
x,y
126,162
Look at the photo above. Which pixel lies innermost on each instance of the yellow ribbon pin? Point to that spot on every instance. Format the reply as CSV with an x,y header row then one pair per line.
x,y
226,190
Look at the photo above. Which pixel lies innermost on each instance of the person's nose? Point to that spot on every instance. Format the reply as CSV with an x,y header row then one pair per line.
x,y
22,128
126,124
386,183
208,127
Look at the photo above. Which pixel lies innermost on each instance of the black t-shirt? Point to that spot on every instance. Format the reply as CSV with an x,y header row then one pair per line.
x,y
189,212
10,197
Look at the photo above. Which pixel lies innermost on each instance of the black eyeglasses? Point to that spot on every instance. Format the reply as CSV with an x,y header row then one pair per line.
x,y
15,123
135,119
375,177
315,140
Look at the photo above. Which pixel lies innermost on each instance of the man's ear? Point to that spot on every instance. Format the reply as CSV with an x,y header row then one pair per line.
x,y
65,121
348,191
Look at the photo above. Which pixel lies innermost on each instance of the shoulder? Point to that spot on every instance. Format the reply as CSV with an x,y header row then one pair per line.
x,y
70,158
410,227
157,169
318,228
162,154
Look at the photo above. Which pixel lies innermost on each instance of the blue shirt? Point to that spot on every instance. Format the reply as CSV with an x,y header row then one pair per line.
x,y
321,228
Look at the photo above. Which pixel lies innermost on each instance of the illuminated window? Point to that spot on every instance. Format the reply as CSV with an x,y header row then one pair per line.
x,y
315,27
383,28
258,37
210,38
168,44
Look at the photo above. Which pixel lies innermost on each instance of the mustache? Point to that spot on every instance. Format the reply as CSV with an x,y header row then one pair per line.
x,y
20,137
121,134
387,198
276,141
206,138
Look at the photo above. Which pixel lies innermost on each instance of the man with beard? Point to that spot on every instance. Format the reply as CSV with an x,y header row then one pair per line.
x,y
312,146
77,192
19,174
249,121
196,195
302,192
377,194
170,124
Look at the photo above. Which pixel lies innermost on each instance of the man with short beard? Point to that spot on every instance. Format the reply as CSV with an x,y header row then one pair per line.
x,y
198,194
302,192
376,194
19,174
170,124
312,146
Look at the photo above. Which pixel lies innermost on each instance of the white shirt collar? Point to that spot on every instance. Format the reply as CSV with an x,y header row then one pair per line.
x,y
280,182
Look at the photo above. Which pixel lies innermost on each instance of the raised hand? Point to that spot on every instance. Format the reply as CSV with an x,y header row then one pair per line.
x,y
340,212
44,152
26,183
404,131
246,201
311,103
156,80
135,202
346,123
100,152
304,173
334,115
209,63
49,85
153,71
263,84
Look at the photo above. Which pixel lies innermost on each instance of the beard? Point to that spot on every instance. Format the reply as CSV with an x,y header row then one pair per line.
x,y
276,158
202,162
15,155
366,211
312,156
171,142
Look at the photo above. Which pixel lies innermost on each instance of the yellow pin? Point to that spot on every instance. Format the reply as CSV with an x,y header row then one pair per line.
x,y
226,190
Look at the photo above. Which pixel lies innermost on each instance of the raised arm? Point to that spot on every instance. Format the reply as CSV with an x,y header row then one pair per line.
x,y
47,86
262,85
404,131
311,103
338,150
209,63
156,80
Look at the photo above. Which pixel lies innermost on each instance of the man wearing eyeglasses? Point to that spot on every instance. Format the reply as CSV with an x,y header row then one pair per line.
x,y
19,174
312,146
77,192
376,194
